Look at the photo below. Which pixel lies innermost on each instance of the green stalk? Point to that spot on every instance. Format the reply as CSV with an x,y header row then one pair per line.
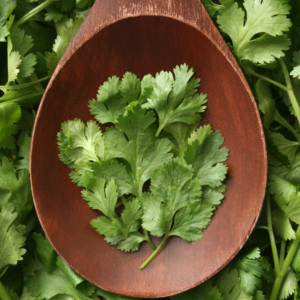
x,y
158,131
32,13
290,89
24,85
147,238
154,253
278,118
283,87
286,264
23,98
3,293
282,253
271,235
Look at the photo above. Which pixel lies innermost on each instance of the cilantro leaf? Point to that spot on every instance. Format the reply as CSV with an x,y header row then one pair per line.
x,y
176,100
289,285
281,187
296,70
110,103
191,220
211,7
212,196
19,44
266,102
15,189
12,238
130,87
111,296
290,207
103,197
44,285
119,173
45,252
249,271
285,146
273,148
79,143
281,225
100,196
140,151
66,32
203,291
10,113
73,276
228,283
206,159
265,18
172,188
24,149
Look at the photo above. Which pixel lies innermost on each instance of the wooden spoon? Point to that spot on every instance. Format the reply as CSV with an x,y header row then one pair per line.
x,y
147,36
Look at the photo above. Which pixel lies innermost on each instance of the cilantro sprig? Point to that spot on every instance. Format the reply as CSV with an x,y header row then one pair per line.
x,y
121,162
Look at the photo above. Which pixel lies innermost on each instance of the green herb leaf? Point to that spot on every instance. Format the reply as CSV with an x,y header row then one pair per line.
x,y
140,150
249,271
10,114
15,189
46,253
12,238
203,291
296,70
267,19
110,103
206,159
289,285
176,100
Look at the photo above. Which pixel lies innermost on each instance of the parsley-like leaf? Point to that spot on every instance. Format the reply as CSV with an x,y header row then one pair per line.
x,y
15,189
206,159
267,19
249,270
110,102
176,100
10,114
296,70
12,238
133,141
172,188
203,291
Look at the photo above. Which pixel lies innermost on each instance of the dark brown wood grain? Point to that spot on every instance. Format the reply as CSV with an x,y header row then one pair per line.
x,y
147,36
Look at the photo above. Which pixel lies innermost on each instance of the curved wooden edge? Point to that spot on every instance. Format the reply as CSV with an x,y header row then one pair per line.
x,y
190,12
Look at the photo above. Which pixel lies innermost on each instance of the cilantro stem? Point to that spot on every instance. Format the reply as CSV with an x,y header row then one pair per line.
x,y
271,235
154,253
3,293
282,253
286,264
33,12
24,85
261,227
290,89
23,98
158,131
283,87
147,238
278,118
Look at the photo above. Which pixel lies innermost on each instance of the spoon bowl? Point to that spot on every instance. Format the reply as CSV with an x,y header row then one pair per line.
x,y
143,37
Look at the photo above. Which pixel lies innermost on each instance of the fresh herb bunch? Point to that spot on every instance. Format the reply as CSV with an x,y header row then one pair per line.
x,y
154,138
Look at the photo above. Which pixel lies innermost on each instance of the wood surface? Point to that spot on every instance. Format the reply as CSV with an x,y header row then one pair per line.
x,y
147,36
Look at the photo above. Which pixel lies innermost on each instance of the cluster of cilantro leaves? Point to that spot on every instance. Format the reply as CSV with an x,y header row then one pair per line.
x,y
264,36
143,144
